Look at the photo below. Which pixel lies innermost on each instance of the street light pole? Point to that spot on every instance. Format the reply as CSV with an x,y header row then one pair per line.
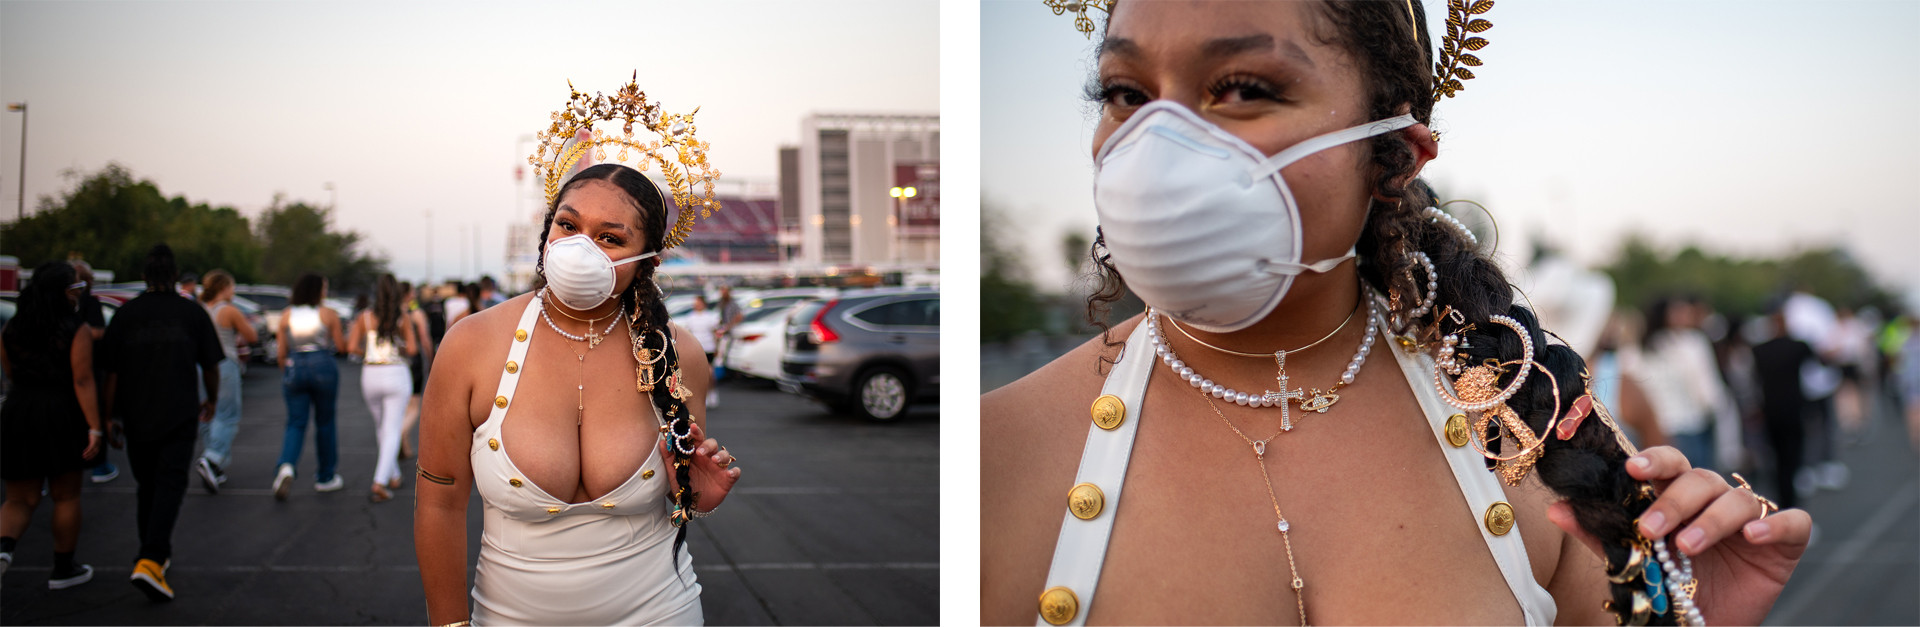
x,y
429,234
333,195
22,108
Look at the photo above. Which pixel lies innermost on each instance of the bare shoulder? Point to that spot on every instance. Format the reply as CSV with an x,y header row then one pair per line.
x,y
474,331
1056,394
1031,435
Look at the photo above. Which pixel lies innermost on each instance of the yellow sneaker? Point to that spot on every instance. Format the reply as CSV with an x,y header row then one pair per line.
x,y
150,577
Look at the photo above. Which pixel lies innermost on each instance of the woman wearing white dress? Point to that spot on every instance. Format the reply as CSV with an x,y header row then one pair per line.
x,y
1256,171
578,421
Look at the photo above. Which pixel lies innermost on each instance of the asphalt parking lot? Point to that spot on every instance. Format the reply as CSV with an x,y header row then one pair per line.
x,y
836,521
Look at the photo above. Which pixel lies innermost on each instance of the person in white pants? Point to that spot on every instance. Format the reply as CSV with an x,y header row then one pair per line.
x,y
382,337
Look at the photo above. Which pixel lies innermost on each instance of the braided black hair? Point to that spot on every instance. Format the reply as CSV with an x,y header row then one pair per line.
x,y
647,314
1394,55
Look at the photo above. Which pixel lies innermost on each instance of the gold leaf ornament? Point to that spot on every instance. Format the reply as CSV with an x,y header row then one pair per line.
x,y
1448,70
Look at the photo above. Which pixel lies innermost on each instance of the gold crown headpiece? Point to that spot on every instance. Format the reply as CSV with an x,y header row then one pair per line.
x,y
682,158
1447,72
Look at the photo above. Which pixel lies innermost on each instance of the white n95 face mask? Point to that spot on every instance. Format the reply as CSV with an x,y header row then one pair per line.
x,y
1200,223
580,274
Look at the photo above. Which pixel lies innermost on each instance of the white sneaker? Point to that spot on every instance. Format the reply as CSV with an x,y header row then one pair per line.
x,y
6,559
283,482
209,477
329,486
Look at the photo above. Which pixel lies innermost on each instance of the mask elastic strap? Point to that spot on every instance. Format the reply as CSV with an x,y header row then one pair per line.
x,y
632,259
1316,144
1318,267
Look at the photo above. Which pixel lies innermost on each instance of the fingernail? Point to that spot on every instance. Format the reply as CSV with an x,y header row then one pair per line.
x,y
1637,462
1653,523
1691,539
1758,530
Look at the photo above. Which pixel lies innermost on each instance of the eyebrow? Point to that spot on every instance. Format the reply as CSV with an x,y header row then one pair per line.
x,y
1217,48
621,226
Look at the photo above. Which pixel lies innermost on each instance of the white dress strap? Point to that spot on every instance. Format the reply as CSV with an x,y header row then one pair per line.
x,y
1486,500
516,359
1082,547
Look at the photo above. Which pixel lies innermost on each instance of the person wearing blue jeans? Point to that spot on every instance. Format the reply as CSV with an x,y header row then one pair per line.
x,y
217,434
309,333
216,295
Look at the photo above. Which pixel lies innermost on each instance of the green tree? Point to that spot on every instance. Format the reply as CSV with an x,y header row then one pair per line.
x,y
112,220
1742,285
1008,304
301,240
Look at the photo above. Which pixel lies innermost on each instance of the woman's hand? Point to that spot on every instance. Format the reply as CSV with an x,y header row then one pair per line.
x,y
93,444
712,474
1741,559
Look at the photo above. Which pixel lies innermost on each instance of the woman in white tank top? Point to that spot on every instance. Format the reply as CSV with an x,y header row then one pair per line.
x,y
1255,176
578,416
383,337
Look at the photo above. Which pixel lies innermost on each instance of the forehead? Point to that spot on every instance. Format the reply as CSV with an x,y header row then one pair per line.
x,y
601,200
1215,28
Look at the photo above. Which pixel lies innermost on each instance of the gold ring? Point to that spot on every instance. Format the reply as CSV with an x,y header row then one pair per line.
x,y
1767,507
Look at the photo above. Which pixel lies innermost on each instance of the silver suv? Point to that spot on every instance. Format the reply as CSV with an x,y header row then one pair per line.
x,y
870,352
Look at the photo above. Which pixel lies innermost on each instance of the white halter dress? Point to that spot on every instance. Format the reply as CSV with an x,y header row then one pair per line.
x,y
544,561
1082,545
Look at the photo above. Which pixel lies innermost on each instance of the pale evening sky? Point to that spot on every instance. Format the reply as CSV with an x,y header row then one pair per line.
x,y
408,107
1745,127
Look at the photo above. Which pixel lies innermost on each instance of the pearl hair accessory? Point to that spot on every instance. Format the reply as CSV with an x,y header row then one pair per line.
x,y
1435,215
1677,577
1433,291
1520,378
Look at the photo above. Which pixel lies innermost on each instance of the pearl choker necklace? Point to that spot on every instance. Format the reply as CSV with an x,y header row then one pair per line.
x,y
592,339
1317,401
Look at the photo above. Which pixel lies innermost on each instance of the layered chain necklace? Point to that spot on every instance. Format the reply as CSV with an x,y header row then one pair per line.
x,y
1317,402
1313,400
593,341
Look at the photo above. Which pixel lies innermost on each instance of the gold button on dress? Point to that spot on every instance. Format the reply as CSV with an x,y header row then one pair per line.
x,y
1499,518
1085,501
1109,412
1059,605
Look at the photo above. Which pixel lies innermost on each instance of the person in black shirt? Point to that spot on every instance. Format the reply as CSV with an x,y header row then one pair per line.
x,y
48,425
151,349
1777,364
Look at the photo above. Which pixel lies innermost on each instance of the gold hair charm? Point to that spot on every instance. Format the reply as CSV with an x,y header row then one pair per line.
x,y
1079,8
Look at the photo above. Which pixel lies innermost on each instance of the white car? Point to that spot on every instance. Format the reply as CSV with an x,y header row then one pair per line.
x,y
756,344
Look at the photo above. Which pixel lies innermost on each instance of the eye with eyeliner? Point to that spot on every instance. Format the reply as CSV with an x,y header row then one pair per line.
x,y
1247,88
1115,93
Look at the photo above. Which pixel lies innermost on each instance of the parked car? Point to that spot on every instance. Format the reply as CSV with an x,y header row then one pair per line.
x,y
869,351
755,346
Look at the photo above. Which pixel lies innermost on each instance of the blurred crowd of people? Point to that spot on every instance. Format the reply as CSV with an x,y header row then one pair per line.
x,y
163,381
1776,394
